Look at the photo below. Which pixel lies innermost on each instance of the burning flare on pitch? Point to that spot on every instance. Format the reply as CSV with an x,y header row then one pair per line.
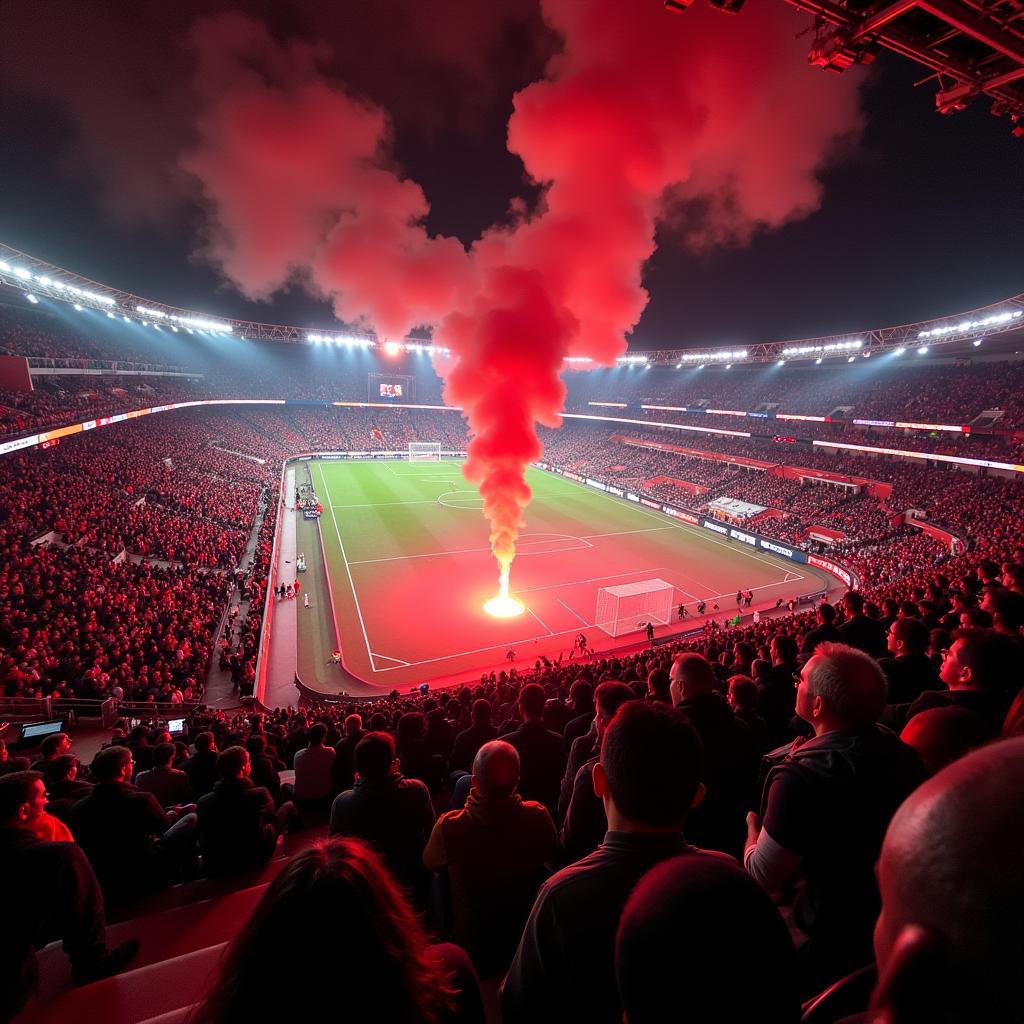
x,y
503,606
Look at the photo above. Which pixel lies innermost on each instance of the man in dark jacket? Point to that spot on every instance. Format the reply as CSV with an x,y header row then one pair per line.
x,y
392,813
581,700
825,808
825,630
648,777
908,670
731,756
169,785
541,751
585,824
63,786
126,834
979,668
470,740
201,767
860,631
237,826
345,753
263,770
776,702
50,892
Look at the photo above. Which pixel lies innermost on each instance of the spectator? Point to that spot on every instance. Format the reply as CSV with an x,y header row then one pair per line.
x,y
978,669
581,697
825,808
126,834
941,736
649,778
63,787
237,826
669,953
731,756
201,767
392,813
541,751
470,740
262,769
825,631
53,892
948,940
776,702
314,772
585,823
866,634
345,753
52,746
9,764
169,785
495,851
1006,608
742,697
337,904
909,671
658,683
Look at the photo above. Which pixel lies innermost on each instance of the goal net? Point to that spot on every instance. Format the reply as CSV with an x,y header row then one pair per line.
x,y
424,451
629,607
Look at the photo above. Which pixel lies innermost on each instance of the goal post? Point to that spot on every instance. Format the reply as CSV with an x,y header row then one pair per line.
x,y
629,607
424,451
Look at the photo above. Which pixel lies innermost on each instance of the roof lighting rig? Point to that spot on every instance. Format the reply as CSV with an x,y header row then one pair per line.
x,y
970,49
35,279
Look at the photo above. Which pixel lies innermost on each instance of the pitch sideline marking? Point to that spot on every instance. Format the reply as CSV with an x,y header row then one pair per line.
x,y
351,582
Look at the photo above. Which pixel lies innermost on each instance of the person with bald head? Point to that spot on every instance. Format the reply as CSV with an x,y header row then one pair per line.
x,y
825,805
948,941
495,850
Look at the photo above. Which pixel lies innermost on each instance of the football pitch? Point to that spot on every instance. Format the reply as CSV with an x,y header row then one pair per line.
x,y
406,567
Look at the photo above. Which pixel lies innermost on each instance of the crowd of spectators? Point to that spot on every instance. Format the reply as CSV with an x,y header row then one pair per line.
x,y
751,778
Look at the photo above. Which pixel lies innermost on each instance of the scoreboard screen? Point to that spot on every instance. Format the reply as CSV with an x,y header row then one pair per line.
x,y
396,388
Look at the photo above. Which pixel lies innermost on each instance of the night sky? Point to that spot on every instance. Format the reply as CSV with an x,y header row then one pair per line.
x,y
920,216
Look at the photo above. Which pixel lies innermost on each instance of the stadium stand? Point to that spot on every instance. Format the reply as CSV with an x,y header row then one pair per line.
x,y
125,550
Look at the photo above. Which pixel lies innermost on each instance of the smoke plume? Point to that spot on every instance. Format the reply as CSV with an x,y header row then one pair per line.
x,y
637,112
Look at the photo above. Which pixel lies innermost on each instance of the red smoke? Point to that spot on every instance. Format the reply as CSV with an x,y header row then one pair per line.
x,y
639,109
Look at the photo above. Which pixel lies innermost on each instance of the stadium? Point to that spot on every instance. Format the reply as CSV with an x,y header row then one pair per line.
x,y
424,604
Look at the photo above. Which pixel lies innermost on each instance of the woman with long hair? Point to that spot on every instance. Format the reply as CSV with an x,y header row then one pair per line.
x,y
334,935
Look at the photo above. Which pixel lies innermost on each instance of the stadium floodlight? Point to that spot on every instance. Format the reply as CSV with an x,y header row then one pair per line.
x,y
173,328
22,273
31,298
78,308
978,341
818,361
577,359
851,359
45,281
835,346
110,316
716,355
125,319
781,362
966,326
922,350
5,266
728,366
899,351
632,360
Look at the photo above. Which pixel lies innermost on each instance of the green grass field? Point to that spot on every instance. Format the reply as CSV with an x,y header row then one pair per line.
x,y
407,567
